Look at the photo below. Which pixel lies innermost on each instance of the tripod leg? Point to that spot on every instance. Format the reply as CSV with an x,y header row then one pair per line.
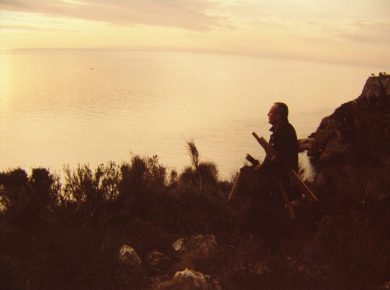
x,y
285,198
306,190
236,184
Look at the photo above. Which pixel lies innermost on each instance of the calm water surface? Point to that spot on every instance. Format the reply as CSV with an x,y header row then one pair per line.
x,y
62,107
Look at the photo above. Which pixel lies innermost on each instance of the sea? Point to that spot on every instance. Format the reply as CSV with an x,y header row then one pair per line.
x,y
70,107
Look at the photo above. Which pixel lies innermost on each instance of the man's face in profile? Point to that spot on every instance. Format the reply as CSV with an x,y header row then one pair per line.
x,y
273,115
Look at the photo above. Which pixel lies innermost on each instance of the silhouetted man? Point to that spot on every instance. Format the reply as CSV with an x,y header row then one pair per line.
x,y
283,139
266,205
269,211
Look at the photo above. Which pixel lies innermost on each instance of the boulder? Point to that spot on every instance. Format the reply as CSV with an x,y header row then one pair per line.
x,y
128,256
178,245
186,280
130,273
200,247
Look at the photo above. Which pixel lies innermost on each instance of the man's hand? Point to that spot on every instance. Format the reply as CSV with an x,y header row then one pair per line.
x,y
257,167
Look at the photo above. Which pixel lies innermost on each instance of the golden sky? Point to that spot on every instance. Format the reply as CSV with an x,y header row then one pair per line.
x,y
344,31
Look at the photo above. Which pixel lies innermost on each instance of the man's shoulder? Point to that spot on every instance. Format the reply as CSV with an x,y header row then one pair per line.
x,y
286,133
287,127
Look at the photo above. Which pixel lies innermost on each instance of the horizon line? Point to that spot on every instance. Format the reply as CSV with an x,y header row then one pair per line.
x,y
193,51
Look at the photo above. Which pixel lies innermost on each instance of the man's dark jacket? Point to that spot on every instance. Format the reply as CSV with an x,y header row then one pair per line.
x,y
284,140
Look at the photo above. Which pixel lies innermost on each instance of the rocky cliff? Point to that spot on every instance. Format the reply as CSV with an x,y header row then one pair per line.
x,y
350,150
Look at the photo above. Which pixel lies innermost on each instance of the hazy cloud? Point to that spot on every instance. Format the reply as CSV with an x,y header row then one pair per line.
x,y
369,32
30,28
326,30
187,14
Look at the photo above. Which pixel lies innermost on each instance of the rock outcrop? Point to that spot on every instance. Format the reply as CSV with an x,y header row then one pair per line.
x,y
350,150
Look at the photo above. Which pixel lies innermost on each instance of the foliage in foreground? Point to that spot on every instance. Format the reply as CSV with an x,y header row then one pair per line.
x,y
67,236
